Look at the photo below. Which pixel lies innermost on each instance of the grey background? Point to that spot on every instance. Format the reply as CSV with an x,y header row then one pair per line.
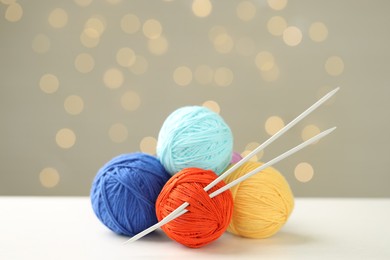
x,y
352,162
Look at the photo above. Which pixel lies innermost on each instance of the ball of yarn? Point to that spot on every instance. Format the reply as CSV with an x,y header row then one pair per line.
x,y
125,190
236,157
195,136
206,219
262,203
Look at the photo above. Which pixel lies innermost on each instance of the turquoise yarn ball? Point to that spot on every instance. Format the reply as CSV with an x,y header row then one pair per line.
x,y
194,136
124,192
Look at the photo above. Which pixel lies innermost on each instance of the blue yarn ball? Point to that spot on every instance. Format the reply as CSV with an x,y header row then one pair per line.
x,y
125,190
195,136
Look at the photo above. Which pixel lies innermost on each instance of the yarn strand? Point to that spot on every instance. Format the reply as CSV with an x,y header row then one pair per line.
x,y
181,210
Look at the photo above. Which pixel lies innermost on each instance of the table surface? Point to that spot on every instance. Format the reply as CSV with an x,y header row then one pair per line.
x,y
66,228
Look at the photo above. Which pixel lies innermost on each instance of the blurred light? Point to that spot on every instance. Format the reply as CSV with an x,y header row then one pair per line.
x,y
65,138
309,131
125,57
276,25
83,3
84,63
254,158
8,2
130,101
204,74
114,2
49,177
292,36
14,12
182,76
152,29
223,43
223,77
118,133
140,65
304,172
273,124
113,78
252,146
270,75
148,145
87,40
41,43
201,8
245,46
318,32
49,83
215,31
158,46
334,66
130,23
265,61
74,105
94,27
58,18
246,10
277,4
212,105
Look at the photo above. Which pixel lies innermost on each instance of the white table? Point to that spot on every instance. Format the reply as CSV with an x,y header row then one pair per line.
x,y
66,228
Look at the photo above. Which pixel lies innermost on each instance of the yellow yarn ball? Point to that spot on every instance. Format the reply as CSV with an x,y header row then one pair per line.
x,y
262,203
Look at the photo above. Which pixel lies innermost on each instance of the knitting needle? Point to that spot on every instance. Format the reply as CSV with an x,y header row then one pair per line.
x,y
272,138
181,210
172,216
273,161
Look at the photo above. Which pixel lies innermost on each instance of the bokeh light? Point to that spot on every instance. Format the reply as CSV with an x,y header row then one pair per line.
x,y
152,29
118,133
212,105
246,10
223,76
304,172
182,76
125,57
84,63
130,23
49,83
49,177
148,145
273,124
334,66
318,32
277,4
292,36
74,104
58,18
201,8
14,12
130,100
276,25
65,138
113,78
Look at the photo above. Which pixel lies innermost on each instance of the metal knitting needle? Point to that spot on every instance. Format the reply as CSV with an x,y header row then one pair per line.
x,y
181,210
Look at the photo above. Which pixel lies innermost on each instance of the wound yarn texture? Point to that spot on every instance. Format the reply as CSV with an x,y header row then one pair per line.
x,y
125,190
194,136
262,203
206,219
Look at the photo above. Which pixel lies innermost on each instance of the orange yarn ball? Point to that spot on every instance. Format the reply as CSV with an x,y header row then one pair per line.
x,y
206,219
